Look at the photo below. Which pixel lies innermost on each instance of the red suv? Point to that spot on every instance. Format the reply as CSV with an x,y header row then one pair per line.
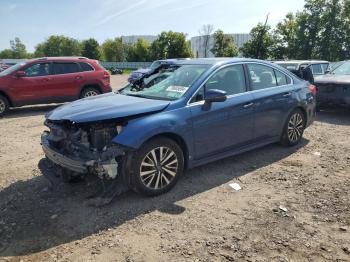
x,y
51,80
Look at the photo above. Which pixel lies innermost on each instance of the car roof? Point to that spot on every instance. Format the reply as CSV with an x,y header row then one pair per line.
x,y
218,61
62,58
299,62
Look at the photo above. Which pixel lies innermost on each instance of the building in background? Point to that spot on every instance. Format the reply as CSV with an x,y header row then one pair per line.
x,y
132,39
198,44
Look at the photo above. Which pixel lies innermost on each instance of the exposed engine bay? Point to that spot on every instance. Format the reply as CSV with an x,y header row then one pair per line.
x,y
88,146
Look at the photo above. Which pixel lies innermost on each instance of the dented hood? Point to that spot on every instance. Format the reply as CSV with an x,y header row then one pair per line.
x,y
104,107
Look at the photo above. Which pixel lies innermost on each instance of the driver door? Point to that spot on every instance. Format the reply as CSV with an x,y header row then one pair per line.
x,y
225,125
31,87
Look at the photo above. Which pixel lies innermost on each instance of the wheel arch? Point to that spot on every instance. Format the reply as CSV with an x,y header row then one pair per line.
x,y
303,110
178,140
7,97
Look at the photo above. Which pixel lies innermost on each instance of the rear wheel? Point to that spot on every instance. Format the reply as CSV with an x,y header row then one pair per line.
x,y
157,167
89,91
294,128
4,105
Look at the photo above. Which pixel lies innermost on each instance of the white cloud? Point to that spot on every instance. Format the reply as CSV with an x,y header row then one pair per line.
x,y
121,12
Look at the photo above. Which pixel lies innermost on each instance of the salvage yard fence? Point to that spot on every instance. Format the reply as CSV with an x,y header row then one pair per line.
x,y
126,65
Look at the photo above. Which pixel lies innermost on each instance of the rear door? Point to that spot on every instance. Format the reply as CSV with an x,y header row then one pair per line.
x,y
31,88
68,79
273,94
226,125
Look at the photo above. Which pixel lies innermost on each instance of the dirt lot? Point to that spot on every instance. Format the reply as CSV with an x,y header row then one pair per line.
x,y
294,204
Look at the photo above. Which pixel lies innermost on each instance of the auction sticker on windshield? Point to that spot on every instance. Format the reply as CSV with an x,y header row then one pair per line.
x,y
177,89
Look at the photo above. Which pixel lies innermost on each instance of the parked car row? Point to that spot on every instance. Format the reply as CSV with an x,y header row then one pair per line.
x,y
175,115
331,79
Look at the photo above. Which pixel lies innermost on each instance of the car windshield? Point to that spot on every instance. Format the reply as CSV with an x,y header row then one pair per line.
x,y
173,87
12,69
343,69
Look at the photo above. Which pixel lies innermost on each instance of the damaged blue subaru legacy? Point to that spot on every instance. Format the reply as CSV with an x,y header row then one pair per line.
x,y
205,110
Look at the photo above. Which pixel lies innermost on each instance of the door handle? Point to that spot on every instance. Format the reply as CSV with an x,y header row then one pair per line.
x,y
78,77
287,94
246,106
47,79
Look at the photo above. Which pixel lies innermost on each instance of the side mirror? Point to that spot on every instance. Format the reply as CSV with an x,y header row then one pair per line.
x,y
213,95
20,73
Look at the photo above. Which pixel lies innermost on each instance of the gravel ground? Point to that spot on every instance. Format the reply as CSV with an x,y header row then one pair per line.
x,y
294,204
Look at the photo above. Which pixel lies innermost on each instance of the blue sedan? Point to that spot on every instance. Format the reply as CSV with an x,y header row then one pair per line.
x,y
206,110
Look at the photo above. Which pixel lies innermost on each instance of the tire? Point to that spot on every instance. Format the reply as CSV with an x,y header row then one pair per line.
x,y
89,91
164,176
294,128
4,105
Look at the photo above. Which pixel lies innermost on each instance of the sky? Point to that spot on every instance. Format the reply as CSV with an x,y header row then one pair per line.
x,y
35,20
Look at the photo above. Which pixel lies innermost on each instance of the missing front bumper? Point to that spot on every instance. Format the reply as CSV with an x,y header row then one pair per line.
x,y
61,160
103,169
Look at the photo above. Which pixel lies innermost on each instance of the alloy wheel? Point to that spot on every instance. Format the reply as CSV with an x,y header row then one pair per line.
x,y
2,106
295,127
158,168
91,93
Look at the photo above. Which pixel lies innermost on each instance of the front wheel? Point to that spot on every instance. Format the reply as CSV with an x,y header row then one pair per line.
x,y
90,91
294,128
157,166
4,105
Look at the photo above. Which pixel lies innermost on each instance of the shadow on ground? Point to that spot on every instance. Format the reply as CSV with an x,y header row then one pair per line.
x,y
34,219
338,116
30,111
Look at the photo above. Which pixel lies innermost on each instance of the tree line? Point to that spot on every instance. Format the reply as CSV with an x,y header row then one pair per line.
x,y
320,31
167,45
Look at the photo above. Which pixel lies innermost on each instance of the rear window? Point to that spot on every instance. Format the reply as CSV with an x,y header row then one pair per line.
x,y
65,68
86,67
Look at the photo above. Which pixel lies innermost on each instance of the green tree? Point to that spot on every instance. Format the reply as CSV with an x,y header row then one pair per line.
x,y
58,45
113,50
170,45
261,43
140,51
285,38
6,53
332,34
91,49
224,45
18,49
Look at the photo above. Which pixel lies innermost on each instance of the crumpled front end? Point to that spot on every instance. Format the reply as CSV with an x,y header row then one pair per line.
x,y
83,148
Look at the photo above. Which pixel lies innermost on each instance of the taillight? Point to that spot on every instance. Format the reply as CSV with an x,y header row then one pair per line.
x,y
105,74
313,89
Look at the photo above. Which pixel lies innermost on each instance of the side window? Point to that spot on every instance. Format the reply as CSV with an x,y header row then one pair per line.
x,y
86,67
317,69
324,67
230,79
65,68
281,78
38,70
261,76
